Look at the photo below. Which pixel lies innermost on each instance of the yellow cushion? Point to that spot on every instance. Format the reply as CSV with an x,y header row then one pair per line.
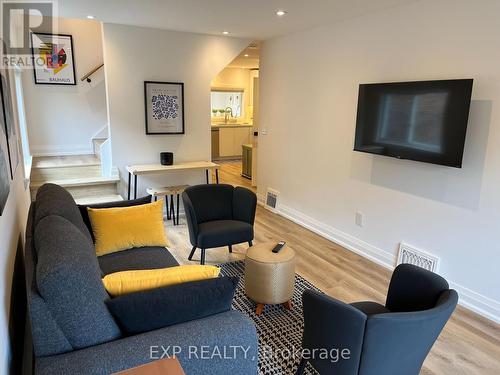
x,y
121,228
124,282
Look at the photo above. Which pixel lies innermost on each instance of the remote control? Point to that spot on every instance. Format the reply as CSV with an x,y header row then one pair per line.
x,y
278,247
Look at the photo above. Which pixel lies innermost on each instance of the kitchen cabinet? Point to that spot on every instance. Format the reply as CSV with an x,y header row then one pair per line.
x,y
241,137
247,161
232,138
215,143
226,142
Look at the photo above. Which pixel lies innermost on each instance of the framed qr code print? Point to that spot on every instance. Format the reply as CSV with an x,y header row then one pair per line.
x,y
164,102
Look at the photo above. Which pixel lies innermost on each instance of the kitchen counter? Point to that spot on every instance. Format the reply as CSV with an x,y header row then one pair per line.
x,y
231,125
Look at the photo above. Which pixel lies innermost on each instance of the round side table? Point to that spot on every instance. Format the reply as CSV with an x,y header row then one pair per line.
x,y
269,277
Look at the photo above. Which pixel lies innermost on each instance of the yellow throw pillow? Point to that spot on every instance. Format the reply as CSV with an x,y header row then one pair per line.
x,y
124,282
121,228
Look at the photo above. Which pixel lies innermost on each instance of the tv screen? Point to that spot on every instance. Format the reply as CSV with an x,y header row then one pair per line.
x,y
423,121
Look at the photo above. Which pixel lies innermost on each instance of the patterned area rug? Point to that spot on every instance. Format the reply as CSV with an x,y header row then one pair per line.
x,y
279,330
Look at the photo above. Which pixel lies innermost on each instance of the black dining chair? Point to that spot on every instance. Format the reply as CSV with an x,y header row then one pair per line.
x,y
391,340
219,215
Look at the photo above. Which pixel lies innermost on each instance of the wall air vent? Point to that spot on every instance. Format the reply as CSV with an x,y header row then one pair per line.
x,y
408,254
272,199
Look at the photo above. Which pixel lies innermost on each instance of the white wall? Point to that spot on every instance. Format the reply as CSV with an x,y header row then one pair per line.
x,y
309,87
12,228
159,55
62,119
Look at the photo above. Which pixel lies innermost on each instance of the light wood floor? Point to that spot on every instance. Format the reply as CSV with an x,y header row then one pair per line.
x,y
230,173
469,343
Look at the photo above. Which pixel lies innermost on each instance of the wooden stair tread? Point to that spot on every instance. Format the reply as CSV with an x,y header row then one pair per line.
x,y
99,199
40,162
77,181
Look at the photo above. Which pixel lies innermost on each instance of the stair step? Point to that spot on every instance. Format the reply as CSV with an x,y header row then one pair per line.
x,y
96,144
82,187
64,161
65,172
72,182
99,199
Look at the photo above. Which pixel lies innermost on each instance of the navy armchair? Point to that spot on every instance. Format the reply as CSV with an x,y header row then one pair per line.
x,y
219,215
393,339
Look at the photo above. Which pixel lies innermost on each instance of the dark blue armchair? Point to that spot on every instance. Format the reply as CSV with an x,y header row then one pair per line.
x,y
391,340
219,215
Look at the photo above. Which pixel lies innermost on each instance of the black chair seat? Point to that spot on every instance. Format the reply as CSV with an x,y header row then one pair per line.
x,y
370,308
223,232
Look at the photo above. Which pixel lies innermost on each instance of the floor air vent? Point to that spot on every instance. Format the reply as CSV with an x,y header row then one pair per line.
x,y
408,254
272,199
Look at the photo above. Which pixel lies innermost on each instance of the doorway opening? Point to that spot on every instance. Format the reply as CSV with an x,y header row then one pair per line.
x,y
234,118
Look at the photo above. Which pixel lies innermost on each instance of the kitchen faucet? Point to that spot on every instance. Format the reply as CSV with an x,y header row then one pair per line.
x,y
226,113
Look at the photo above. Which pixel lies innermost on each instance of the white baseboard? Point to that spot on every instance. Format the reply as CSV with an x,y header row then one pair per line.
x,y
345,240
468,298
61,150
478,303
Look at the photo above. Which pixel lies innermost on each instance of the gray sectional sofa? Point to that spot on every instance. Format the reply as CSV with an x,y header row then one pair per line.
x,y
73,332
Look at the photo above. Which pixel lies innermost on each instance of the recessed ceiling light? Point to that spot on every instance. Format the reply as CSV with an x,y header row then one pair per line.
x,y
90,17
246,55
280,12
225,32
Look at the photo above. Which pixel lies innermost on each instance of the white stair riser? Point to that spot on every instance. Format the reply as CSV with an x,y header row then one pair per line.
x,y
99,199
108,188
59,173
96,144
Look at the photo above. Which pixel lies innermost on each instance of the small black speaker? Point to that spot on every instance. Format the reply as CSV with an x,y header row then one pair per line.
x,y
166,158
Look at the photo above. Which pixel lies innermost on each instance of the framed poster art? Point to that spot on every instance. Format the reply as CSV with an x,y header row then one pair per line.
x,y
53,62
164,102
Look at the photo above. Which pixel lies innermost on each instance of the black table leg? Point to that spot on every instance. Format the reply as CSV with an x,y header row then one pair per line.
x,y
135,187
190,257
166,207
178,209
217,176
172,210
129,181
206,174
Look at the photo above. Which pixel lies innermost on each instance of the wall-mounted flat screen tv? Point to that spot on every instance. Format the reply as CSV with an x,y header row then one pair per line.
x,y
423,121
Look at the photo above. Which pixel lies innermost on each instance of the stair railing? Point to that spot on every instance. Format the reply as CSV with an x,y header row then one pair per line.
x,y
89,74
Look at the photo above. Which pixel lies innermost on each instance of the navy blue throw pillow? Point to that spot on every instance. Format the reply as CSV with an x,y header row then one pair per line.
x,y
157,308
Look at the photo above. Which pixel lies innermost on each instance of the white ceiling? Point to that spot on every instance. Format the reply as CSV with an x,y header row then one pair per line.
x,y
248,58
254,19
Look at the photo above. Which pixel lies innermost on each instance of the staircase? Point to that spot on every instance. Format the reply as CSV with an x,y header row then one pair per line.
x,y
81,175
97,144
